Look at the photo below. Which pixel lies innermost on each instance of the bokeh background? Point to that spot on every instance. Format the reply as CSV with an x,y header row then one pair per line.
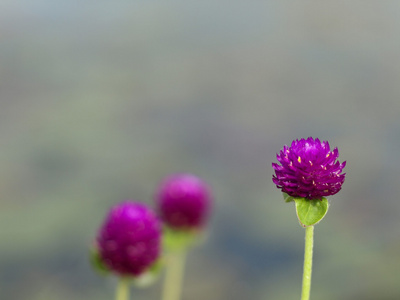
x,y
100,100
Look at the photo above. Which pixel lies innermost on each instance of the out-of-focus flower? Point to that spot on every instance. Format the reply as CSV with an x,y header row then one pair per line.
x,y
129,241
309,169
183,201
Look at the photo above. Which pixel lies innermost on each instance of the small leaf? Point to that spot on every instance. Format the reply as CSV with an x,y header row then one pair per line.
x,y
310,212
150,276
97,262
287,198
177,240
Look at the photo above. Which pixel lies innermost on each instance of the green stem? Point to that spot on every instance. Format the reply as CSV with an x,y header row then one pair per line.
x,y
308,254
174,275
122,289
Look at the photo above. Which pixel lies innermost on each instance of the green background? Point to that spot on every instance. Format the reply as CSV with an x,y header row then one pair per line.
x,y
100,100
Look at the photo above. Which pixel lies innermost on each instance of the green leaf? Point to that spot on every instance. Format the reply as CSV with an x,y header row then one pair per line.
x,y
97,262
178,240
287,198
310,212
150,276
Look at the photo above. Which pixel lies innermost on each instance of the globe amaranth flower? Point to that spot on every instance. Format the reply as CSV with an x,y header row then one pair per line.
x,y
183,201
309,169
129,241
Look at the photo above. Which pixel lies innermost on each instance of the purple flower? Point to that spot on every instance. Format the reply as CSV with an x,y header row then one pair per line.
x,y
129,240
308,169
183,201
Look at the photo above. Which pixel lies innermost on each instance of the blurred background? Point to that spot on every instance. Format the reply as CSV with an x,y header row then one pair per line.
x,y
99,101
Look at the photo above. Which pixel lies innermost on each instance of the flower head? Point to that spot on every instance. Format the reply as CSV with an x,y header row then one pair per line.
x,y
129,239
183,201
309,169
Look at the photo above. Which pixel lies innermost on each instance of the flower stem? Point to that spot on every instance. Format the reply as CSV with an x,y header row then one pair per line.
x,y
122,289
174,275
308,254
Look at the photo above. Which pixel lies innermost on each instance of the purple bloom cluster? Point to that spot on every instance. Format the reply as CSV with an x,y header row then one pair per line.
x,y
183,201
129,240
309,169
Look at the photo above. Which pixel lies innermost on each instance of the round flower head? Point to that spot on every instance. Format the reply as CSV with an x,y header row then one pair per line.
x,y
308,169
129,239
183,201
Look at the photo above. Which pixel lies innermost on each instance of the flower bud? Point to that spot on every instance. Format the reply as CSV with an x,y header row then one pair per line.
x,y
183,201
129,241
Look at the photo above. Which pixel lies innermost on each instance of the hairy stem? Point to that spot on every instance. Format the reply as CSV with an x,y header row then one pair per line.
x,y
174,275
308,256
122,289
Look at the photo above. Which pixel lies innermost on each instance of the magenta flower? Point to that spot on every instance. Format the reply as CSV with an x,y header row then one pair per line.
x,y
309,169
183,201
129,240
